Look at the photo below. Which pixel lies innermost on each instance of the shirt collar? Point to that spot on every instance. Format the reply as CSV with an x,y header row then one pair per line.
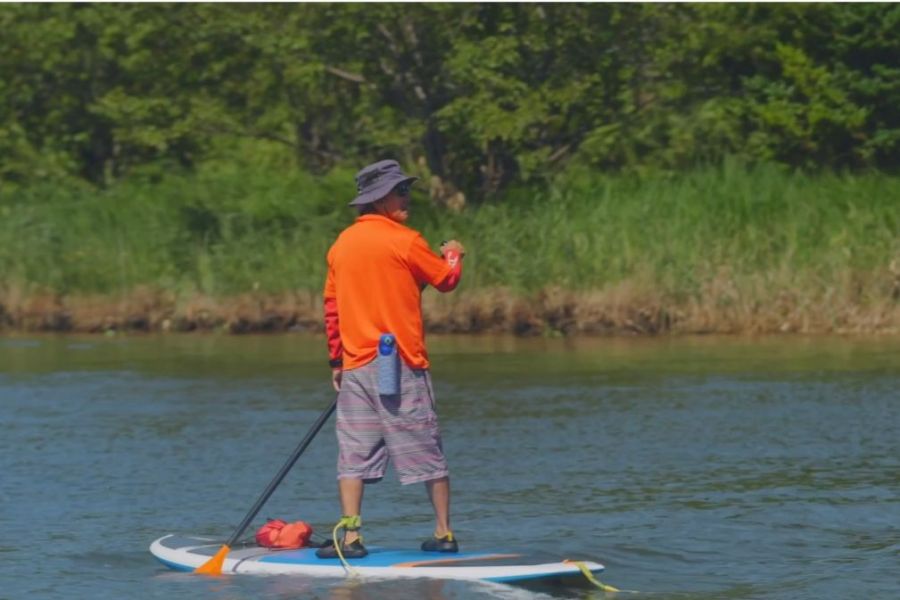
x,y
376,218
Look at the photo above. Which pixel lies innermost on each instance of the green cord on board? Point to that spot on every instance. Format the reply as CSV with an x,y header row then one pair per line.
x,y
347,523
590,576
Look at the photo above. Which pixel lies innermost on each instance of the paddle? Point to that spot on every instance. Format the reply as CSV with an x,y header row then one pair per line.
x,y
214,565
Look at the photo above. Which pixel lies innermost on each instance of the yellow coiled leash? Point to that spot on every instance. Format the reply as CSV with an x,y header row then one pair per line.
x,y
590,576
347,523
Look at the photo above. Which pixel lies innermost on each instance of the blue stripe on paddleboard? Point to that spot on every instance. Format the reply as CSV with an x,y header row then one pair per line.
x,y
377,557
536,576
174,566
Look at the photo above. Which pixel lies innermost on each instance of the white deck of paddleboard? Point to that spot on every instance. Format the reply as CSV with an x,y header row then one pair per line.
x,y
188,553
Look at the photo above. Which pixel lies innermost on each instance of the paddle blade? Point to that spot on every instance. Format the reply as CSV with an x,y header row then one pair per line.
x,y
214,565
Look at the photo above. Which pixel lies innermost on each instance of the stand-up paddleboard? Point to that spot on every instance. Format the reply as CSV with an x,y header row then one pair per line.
x,y
185,553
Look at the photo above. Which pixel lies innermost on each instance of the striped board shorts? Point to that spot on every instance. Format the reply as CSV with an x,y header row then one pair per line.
x,y
371,429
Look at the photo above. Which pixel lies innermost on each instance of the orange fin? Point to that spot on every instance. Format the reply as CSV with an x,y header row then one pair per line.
x,y
214,565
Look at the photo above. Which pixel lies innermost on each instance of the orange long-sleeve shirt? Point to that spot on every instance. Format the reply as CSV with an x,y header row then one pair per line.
x,y
377,269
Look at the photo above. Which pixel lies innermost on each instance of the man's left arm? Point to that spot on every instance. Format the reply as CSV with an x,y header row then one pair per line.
x,y
333,331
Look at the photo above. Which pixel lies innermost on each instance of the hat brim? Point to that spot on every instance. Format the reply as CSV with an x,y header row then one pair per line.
x,y
383,189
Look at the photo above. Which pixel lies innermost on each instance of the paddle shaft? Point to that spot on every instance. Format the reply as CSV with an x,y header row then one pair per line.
x,y
282,473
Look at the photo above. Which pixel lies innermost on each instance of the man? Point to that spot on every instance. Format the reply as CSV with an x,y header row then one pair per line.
x,y
377,269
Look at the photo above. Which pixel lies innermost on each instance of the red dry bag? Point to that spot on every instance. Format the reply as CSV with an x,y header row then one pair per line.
x,y
280,534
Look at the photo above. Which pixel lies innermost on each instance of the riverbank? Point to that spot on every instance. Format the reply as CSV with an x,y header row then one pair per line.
x,y
625,309
720,250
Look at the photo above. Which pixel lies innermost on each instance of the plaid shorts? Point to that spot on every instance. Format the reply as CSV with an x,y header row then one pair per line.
x,y
372,429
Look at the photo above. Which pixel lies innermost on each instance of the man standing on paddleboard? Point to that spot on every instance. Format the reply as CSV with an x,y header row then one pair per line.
x,y
377,269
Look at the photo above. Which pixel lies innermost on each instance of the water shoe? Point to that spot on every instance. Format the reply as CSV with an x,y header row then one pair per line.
x,y
442,544
354,549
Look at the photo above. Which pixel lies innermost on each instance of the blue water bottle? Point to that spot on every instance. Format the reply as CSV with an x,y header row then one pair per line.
x,y
388,366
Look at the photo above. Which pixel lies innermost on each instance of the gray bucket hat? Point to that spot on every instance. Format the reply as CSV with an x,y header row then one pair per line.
x,y
377,180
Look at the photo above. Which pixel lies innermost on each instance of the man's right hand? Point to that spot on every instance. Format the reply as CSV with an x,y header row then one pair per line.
x,y
452,246
336,375
453,252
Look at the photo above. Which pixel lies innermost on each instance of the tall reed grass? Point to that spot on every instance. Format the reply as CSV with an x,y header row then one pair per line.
x,y
719,238
589,230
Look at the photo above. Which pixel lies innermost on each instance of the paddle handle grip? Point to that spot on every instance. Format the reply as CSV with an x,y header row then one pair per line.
x,y
282,473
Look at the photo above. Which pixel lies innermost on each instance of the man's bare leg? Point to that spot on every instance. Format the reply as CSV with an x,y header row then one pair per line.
x,y
351,491
439,494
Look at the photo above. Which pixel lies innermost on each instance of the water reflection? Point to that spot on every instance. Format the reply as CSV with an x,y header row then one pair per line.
x,y
710,468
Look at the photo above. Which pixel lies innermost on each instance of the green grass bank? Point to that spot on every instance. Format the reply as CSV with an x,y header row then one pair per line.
x,y
725,249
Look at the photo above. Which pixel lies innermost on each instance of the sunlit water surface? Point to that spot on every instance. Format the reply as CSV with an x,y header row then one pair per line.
x,y
708,468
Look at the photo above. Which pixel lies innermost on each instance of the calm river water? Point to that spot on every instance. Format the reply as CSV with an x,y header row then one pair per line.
x,y
704,468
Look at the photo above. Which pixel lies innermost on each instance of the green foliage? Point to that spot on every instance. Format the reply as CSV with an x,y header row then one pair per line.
x,y
228,230
485,96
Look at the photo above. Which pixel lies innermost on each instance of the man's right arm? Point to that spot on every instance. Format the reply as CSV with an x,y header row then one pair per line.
x,y
428,268
453,252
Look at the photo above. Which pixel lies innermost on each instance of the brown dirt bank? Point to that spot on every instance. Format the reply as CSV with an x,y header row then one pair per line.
x,y
625,309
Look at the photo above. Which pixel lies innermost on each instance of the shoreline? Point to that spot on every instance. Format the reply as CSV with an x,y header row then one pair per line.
x,y
622,310
727,249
